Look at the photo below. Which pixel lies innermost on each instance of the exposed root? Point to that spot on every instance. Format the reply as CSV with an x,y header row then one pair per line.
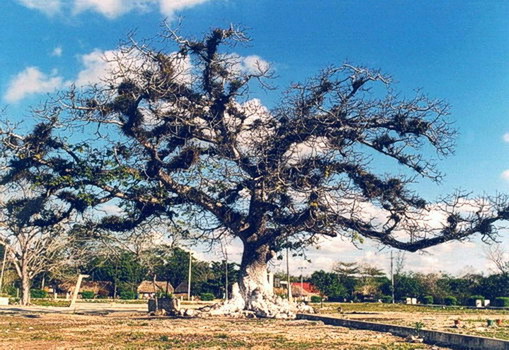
x,y
257,305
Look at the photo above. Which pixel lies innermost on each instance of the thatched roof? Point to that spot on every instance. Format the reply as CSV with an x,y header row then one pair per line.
x,y
94,286
181,288
154,287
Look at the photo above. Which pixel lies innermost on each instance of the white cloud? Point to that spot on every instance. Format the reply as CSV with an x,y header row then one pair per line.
x,y
96,67
108,8
169,7
99,65
254,64
49,7
32,81
116,8
109,209
450,257
57,51
505,175
506,137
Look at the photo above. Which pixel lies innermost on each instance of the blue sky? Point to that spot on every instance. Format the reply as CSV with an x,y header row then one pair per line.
x,y
454,50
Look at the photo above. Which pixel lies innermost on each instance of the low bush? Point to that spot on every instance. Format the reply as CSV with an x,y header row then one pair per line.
x,y
501,302
386,299
103,294
316,299
336,299
428,299
10,290
87,294
49,302
207,296
473,298
161,295
38,293
450,300
127,295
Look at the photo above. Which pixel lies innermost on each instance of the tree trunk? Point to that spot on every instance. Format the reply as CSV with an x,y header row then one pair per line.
x,y
253,295
25,285
253,272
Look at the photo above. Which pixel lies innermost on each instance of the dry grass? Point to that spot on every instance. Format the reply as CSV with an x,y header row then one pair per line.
x,y
137,331
473,321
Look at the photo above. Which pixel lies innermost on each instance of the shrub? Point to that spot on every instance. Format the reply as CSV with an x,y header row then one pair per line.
x,y
161,295
316,299
336,299
386,299
127,294
10,290
38,293
207,296
87,294
473,298
450,300
501,302
103,294
428,299
126,290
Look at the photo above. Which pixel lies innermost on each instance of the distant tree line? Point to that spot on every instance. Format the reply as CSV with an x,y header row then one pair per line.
x,y
125,269
352,282
126,264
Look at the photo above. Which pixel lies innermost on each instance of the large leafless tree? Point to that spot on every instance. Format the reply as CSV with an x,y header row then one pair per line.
x,y
174,132
33,248
499,257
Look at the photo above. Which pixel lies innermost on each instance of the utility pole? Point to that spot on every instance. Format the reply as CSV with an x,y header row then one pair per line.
x,y
302,268
392,277
155,291
189,279
3,268
288,276
226,275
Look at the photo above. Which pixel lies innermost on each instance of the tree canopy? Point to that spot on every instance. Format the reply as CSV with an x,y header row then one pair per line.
x,y
173,134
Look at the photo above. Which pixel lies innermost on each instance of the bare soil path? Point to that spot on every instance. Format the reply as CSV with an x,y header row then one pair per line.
x,y
123,329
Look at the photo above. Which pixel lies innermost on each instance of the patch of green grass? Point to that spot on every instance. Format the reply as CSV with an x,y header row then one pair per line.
x,y
397,346
489,332
383,307
46,337
49,302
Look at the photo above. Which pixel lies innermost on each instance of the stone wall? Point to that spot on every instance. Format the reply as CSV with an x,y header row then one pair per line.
x,y
453,340
169,305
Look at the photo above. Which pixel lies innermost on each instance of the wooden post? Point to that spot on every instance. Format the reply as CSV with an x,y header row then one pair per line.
x,y
77,289
189,278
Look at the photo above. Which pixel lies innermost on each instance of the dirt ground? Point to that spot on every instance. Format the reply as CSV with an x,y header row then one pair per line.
x,y
472,321
136,330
